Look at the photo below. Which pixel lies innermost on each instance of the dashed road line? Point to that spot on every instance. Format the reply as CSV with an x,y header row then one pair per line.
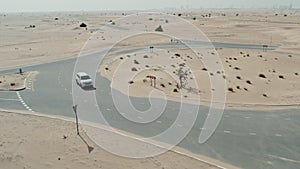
x,y
23,102
159,122
252,134
179,125
226,131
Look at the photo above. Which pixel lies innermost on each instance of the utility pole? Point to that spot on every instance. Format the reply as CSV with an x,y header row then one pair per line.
x,y
76,117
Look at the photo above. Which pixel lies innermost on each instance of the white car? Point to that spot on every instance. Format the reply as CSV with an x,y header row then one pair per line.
x,y
84,80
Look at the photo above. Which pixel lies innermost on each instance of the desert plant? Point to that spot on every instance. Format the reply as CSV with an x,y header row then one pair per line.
x,y
183,76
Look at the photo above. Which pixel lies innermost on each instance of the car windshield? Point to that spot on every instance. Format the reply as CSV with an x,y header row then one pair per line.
x,y
85,78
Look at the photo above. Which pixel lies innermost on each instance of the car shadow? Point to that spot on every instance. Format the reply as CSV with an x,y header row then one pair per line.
x,y
90,88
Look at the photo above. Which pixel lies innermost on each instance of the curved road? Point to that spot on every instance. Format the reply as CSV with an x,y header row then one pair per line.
x,y
247,139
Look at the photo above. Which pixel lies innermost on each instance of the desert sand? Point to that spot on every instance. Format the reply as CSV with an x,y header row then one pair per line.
x,y
30,141
253,77
16,82
13,82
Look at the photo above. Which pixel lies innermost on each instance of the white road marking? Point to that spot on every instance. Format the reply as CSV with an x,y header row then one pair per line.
x,y
159,122
252,134
288,119
278,135
226,131
247,117
180,125
23,102
9,99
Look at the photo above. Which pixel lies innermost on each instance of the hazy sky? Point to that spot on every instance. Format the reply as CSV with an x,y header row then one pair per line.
x,y
71,5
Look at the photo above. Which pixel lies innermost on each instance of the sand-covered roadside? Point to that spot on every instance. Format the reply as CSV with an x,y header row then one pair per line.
x,y
29,141
13,82
16,82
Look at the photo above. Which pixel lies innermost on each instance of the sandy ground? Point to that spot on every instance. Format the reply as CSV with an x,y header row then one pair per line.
x,y
17,81
29,141
55,36
274,75
252,77
13,82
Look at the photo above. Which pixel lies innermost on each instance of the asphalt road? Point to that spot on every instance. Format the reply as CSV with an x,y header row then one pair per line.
x,y
247,139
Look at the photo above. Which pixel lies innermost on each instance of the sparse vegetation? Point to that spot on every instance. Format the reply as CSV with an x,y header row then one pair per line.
x,y
262,76
159,29
83,25
231,90
182,75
